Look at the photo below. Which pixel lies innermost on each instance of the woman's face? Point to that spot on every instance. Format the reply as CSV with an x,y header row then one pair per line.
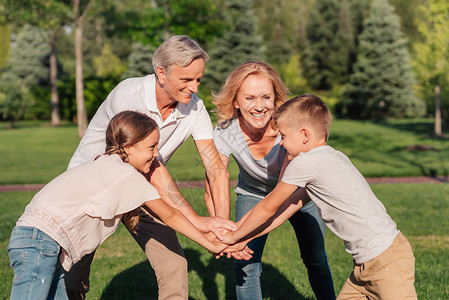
x,y
255,100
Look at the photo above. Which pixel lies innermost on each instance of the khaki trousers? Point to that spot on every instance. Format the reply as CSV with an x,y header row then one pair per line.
x,y
162,248
389,276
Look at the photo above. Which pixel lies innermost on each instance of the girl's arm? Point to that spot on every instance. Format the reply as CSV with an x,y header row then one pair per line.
x,y
261,213
177,221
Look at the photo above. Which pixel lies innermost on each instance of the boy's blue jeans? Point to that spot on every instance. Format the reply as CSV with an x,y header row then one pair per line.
x,y
309,229
33,256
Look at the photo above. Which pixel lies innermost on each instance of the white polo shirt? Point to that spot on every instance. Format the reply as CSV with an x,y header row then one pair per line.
x,y
139,94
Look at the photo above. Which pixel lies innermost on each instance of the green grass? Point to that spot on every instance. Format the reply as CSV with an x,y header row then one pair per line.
x,y
36,152
121,271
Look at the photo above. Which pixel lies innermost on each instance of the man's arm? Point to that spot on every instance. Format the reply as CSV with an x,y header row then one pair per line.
x,y
210,205
217,179
160,178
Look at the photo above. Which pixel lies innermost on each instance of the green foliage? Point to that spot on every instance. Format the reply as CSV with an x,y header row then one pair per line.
x,y
432,54
96,89
382,83
14,100
140,61
151,22
29,56
108,64
328,44
292,74
25,71
239,44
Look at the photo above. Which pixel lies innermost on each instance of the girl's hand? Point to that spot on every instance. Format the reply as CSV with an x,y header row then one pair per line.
x,y
228,238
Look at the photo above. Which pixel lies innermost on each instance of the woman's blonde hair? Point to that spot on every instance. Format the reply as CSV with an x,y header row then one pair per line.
x,y
126,129
225,99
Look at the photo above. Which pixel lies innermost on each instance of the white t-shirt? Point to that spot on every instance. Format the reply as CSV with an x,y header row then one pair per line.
x,y
81,207
257,177
345,201
139,94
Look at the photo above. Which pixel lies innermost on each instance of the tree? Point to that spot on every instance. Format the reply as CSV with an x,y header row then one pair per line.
x,y
432,56
14,100
50,15
140,61
107,64
329,40
240,43
80,14
4,44
382,83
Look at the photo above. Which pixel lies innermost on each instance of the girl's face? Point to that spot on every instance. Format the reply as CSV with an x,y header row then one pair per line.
x,y
142,154
255,100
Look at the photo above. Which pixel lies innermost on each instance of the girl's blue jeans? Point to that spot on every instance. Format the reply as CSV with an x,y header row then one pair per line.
x,y
33,256
309,229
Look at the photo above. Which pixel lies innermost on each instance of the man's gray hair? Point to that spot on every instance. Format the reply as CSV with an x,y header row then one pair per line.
x,y
178,50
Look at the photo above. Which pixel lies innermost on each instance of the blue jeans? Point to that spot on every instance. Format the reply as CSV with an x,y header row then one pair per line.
x,y
33,256
309,229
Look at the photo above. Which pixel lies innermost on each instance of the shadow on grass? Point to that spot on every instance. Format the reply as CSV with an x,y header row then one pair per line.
x,y
422,128
139,281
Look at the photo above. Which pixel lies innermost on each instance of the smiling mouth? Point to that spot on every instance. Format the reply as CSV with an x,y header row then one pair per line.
x,y
259,115
189,95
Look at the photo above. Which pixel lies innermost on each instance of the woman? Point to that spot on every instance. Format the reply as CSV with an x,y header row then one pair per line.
x,y
244,106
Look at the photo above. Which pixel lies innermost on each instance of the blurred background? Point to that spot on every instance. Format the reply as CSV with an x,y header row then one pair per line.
x,y
372,60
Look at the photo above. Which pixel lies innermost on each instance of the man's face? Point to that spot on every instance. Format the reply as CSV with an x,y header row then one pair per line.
x,y
182,82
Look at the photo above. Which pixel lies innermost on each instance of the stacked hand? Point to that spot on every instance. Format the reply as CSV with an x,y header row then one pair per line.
x,y
227,246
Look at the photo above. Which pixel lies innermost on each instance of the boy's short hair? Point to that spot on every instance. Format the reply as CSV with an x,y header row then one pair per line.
x,y
178,50
306,109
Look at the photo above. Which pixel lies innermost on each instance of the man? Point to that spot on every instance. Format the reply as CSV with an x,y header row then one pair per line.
x,y
168,96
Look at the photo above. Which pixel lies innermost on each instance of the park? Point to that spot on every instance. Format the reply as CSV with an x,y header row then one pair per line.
x,y
380,66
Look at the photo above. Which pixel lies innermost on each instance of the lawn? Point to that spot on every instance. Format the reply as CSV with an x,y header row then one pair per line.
x,y
121,271
36,153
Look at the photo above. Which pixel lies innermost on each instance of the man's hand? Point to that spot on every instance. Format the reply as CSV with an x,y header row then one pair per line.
x,y
215,225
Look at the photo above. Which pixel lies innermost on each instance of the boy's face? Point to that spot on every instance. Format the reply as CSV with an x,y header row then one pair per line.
x,y
292,139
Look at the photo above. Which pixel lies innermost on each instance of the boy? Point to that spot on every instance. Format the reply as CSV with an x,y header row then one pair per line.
x,y
383,258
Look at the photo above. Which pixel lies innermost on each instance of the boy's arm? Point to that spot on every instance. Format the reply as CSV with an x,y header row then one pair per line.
x,y
294,203
261,213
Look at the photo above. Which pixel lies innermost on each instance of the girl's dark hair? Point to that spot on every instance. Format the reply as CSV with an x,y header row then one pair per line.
x,y
126,129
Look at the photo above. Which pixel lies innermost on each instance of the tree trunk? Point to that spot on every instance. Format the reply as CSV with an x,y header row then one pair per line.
x,y
55,119
79,88
437,111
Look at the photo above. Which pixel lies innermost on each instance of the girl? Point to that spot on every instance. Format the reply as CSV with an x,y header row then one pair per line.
x,y
73,214
244,106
